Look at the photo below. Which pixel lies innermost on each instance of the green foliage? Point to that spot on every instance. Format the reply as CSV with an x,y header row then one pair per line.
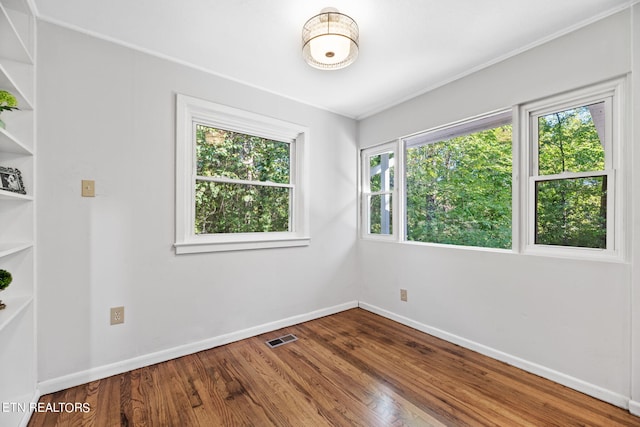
x,y
568,142
8,102
223,207
459,190
378,204
5,279
572,211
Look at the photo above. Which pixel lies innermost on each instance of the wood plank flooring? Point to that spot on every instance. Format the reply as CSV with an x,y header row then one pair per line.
x,y
349,369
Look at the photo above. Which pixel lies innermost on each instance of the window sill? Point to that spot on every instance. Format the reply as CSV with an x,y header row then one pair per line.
x,y
580,254
380,238
459,247
242,243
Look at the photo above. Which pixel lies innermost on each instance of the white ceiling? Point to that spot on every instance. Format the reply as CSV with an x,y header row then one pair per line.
x,y
406,46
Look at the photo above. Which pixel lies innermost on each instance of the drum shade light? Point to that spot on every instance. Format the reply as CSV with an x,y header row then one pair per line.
x,y
330,40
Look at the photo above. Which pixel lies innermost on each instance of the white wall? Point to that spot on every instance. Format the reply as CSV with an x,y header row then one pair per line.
x,y
635,278
107,113
566,319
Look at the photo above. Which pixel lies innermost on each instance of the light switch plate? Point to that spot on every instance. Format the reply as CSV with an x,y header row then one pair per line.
x,y
88,188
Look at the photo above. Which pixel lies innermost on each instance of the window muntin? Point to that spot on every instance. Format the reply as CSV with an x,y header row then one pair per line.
x,y
458,184
572,178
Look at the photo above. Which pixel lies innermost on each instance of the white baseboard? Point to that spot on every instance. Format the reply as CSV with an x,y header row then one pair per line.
x,y
72,380
634,407
558,377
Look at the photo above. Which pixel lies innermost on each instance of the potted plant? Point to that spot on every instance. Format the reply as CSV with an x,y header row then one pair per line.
x,y
8,102
5,280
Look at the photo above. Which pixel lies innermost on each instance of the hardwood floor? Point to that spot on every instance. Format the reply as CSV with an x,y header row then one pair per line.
x,y
350,369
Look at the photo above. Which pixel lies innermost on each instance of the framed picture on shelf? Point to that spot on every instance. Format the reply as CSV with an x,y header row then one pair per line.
x,y
11,180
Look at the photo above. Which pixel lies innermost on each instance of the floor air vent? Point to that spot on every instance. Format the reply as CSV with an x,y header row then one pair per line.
x,y
281,341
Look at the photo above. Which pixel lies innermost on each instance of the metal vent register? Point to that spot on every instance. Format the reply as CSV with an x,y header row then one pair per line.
x,y
281,340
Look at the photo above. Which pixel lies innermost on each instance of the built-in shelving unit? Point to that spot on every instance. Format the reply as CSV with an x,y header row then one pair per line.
x,y
17,214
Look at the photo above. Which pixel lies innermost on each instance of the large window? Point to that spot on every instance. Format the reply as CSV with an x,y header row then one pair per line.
x,y
239,179
458,184
554,187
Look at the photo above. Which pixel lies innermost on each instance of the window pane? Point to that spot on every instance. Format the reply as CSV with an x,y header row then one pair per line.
x,y
237,208
572,212
235,155
459,190
381,172
380,214
572,140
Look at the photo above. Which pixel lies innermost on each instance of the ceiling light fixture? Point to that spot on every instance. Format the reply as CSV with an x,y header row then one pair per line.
x,y
330,40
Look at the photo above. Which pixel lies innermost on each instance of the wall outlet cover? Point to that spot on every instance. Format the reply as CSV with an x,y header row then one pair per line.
x,y
117,315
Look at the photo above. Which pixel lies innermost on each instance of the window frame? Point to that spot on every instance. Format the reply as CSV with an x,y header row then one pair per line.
x,y
190,112
366,192
611,94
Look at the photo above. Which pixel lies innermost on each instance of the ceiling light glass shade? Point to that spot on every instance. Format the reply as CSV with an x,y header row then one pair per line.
x,y
330,40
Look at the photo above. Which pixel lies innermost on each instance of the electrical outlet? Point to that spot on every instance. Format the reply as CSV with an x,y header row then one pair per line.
x,y
403,295
117,315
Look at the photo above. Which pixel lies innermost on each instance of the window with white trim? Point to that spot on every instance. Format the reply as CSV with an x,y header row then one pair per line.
x,y
239,179
573,157
378,192
453,184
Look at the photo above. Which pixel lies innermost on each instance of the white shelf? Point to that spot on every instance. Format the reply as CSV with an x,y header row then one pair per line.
x,y
12,46
7,249
11,144
15,306
9,195
17,78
